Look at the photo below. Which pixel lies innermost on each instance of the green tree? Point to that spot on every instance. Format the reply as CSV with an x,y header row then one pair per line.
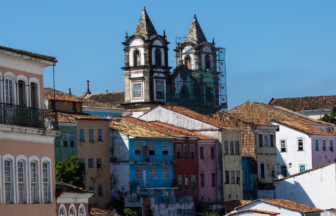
x,y
330,118
129,212
70,171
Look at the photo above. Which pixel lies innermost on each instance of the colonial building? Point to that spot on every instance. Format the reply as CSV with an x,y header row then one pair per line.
x,y
27,133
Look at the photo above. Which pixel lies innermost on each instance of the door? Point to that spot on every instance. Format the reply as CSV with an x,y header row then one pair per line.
x,y
144,176
284,171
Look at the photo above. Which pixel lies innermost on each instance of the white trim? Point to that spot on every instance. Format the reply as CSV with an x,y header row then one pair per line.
x,y
23,158
303,143
1,93
26,88
268,140
65,210
37,160
164,90
11,157
72,206
11,76
37,82
47,159
82,206
142,88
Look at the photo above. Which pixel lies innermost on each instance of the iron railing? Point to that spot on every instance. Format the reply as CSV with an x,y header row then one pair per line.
x,y
152,183
28,117
153,158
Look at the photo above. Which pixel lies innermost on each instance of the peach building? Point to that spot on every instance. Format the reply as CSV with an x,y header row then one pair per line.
x,y
27,133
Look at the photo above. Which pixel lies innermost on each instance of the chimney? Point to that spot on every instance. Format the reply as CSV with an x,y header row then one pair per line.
x,y
69,91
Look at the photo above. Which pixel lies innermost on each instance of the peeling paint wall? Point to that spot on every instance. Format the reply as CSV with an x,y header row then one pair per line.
x,y
172,209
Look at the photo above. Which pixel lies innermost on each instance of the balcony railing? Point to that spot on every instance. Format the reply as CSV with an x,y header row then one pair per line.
x,y
27,117
152,158
151,183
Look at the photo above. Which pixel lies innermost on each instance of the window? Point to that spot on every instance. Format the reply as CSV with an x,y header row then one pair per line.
x,y
8,170
212,153
178,151
46,182
300,144
226,148
262,170
186,182
283,145
213,180
227,177
233,177
246,178
22,98
284,171
52,105
272,140
202,180
74,107
185,151
91,188
151,148
99,163
238,177
100,135
231,148
152,172
59,140
159,89
81,134
91,135
83,160
201,152
21,172
81,211
192,151
273,170
324,145
72,211
266,139
34,191
165,148
179,181
90,163
302,168
137,147
261,140
65,139
317,145
207,62
138,173
331,143
9,88
61,212
157,57
100,190
193,182
237,147
137,90
165,172
33,95
72,140
136,58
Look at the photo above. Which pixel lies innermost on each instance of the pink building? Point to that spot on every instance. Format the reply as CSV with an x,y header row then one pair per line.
x,y
27,132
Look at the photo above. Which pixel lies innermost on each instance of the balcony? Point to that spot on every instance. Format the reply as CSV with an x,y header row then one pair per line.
x,y
152,183
152,158
28,117
173,199
133,201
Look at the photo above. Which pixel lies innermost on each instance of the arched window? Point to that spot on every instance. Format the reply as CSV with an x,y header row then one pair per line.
x,y
9,90
46,182
266,139
81,211
33,95
158,57
22,94
136,58
8,180
187,62
207,62
61,212
72,211
21,181
34,183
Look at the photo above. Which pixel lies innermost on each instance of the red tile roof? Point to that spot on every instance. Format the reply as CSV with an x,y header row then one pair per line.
x,y
231,205
305,128
96,211
34,55
305,103
60,96
227,118
255,210
84,116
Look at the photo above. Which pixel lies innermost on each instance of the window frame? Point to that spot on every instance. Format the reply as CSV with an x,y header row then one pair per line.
x,y
133,84
179,181
165,148
100,189
285,141
201,152
233,178
92,164
81,206
192,151
72,206
50,192
152,172
62,206
101,163
261,139
331,145
22,159
100,134
227,177
36,160
186,182
262,170
72,139
298,143
10,77
137,147
65,139
193,181
161,82
178,150
226,148
164,172
10,158
185,151
81,135
152,148
317,145
266,140
302,165
136,171
231,148
273,171
238,177
91,135
324,145
35,81
237,152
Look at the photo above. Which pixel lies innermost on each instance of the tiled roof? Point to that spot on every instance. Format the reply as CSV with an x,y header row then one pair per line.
x,y
231,205
109,98
88,103
305,128
331,210
136,130
84,116
35,55
70,188
287,204
195,33
64,118
197,116
60,96
306,171
145,26
305,103
96,211
186,132
255,210
227,118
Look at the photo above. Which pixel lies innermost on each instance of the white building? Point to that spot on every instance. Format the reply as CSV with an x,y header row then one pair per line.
x,y
254,212
315,187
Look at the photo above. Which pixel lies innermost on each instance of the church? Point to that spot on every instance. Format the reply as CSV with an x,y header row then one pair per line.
x,y
198,82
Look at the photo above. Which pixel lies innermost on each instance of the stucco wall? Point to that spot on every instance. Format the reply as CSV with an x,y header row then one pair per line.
x,y
62,152
172,209
315,188
268,207
322,157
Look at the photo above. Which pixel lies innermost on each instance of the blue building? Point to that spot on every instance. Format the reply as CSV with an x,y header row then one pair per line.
x,y
250,178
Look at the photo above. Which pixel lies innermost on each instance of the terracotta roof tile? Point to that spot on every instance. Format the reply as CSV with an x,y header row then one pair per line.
x,y
255,210
331,210
65,119
35,55
228,118
60,96
95,211
88,103
305,103
109,98
231,205
84,116
70,188
287,204
305,128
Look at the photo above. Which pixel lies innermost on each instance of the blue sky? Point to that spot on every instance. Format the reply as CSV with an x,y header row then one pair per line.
x,y
273,48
